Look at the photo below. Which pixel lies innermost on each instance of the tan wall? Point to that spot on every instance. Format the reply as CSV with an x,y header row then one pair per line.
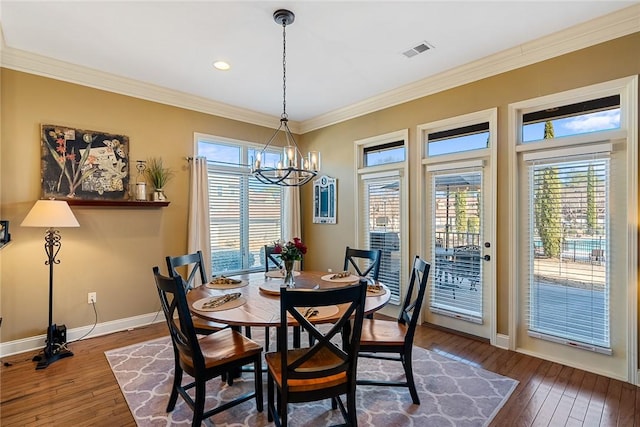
x,y
608,61
114,249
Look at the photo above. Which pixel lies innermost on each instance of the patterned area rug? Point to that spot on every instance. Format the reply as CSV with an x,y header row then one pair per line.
x,y
452,393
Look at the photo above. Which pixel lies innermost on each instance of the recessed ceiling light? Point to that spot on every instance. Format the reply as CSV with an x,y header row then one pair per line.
x,y
221,65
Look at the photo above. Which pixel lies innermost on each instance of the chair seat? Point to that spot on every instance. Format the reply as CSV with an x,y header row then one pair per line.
x,y
324,359
221,348
382,332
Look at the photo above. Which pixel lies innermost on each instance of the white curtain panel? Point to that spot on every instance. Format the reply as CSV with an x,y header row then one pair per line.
x,y
291,226
199,238
291,218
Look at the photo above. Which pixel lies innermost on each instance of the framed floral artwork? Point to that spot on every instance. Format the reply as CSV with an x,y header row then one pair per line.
x,y
84,164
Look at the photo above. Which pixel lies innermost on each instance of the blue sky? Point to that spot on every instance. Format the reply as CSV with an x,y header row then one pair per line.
x,y
592,122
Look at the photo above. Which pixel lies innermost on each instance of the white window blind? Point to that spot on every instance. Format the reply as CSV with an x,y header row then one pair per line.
x,y
244,216
456,220
381,226
568,298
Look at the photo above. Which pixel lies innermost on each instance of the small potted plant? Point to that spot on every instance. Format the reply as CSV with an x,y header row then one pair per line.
x,y
158,177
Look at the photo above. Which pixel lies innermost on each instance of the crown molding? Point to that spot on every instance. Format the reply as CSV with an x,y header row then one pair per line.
x,y
599,30
31,63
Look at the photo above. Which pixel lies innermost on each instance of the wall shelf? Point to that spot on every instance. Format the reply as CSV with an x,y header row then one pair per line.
x,y
118,203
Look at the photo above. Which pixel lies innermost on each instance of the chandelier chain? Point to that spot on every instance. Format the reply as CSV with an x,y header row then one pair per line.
x,y
284,69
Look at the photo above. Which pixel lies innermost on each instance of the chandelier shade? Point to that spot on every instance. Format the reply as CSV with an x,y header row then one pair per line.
x,y
293,169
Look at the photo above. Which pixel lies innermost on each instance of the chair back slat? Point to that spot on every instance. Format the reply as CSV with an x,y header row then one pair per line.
x,y
197,273
352,256
173,300
413,304
271,259
341,355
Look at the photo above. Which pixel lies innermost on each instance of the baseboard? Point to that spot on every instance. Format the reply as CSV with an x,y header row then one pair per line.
x,y
502,341
34,343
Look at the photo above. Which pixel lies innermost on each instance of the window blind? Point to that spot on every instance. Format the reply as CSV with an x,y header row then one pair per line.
x,y
244,216
381,227
456,220
568,240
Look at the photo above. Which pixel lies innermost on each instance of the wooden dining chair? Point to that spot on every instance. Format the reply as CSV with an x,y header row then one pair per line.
x,y
393,340
196,275
271,259
324,370
204,358
374,256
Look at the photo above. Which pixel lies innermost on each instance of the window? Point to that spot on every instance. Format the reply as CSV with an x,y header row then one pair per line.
x,y
245,214
382,210
583,117
466,138
568,229
381,214
573,225
383,154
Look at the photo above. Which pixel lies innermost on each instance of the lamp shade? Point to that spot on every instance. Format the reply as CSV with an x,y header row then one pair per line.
x,y
50,213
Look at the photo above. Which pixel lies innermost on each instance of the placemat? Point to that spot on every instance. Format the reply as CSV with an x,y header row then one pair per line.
x,y
226,306
323,312
241,284
279,274
270,288
348,279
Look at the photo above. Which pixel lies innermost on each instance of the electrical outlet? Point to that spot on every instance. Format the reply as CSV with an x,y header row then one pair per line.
x,y
91,297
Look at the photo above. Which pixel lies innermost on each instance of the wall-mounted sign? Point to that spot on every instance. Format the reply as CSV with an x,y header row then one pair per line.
x,y
325,200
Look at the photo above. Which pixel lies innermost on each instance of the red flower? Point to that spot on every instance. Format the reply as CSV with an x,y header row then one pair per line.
x,y
290,251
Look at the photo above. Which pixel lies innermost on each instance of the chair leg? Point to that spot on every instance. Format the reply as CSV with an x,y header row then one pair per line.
x,y
351,409
283,410
177,381
198,404
270,398
257,371
408,372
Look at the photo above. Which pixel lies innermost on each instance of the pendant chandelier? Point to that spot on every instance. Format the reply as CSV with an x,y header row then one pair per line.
x,y
293,169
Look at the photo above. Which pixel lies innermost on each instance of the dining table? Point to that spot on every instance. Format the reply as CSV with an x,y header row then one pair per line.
x,y
258,302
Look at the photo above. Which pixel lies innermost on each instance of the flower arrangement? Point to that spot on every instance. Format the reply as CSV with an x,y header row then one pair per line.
x,y
290,251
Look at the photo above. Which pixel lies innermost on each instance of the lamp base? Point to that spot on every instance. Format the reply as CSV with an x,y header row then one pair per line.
x,y
55,347
47,358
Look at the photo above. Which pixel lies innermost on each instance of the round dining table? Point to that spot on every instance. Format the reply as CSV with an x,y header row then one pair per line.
x,y
259,301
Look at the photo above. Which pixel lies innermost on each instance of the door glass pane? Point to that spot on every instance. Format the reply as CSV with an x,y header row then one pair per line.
x,y
457,284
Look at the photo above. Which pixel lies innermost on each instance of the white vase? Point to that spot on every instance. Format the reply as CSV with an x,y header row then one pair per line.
x,y
158,195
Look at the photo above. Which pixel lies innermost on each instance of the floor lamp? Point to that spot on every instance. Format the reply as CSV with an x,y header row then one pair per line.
x,y
51,214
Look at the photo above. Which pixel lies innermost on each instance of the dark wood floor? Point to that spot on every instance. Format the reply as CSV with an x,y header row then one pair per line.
x,y
81,391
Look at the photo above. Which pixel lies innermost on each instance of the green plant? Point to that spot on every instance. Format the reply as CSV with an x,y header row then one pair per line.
x,y
156,172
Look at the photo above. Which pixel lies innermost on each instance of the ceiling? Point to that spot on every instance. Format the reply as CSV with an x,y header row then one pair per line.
x,y
338,53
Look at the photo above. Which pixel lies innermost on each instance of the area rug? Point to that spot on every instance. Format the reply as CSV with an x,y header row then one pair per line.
x,y
452,393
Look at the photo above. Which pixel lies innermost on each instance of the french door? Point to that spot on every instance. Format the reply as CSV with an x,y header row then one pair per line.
x,y
461,292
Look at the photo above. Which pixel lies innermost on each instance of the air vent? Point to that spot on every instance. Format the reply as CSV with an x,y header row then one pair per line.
x,y
420,48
